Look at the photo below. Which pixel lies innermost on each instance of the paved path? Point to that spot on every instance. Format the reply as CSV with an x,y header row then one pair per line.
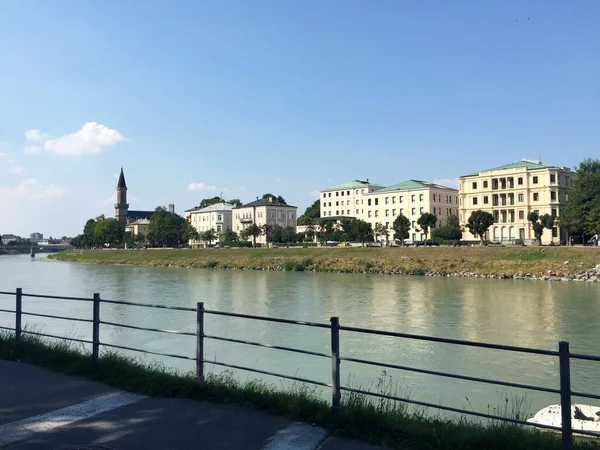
x,y
42,410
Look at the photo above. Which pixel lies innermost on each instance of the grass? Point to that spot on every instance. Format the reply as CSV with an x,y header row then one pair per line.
x,y
374,420
509,261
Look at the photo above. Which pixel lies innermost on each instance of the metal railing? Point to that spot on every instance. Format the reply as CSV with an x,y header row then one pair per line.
x,y
334,327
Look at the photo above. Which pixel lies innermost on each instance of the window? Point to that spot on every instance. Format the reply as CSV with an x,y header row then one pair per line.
x,y
337,203
387,200
521,197
342,193
521,214
394,200
520,180
420,197
536,196
474,184
552,178
414,237
337,193
347,192
348,212
413,211
485,184
401,199
219,228
553,196
537,211
553,212
376,213
369,202
439,211
347,202
535,180
337,213
387,224
402,211
329,203
434,197
394,212
554,232
421,210
369,214
413,224
357,202
412,198
324,195
485,200
330,194
387,213
475,200
377,201
357,212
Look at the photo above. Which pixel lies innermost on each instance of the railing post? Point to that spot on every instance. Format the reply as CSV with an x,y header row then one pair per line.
x,y
565,395
200,343
18,315
96,328
335,366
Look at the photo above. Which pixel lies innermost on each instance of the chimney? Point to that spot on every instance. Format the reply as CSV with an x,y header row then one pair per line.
x,y
171,208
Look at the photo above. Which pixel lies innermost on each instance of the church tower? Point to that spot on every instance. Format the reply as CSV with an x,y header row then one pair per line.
x,y
121,207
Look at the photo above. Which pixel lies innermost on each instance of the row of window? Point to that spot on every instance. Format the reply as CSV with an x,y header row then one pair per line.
x,y
338,212
196,218
509,182
503,200
259,215
375,201
509,216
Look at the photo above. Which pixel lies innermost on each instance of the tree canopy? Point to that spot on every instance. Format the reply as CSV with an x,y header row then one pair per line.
x,y
312,213
214,200
167,229
581,214
99,232
277,198
450,232
401,227
479,222
427,221
538,223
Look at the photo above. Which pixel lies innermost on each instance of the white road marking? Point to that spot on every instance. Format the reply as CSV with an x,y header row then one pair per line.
x,y
298,436
24,429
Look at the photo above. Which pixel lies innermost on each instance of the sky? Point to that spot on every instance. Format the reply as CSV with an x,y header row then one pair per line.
x,y
202,98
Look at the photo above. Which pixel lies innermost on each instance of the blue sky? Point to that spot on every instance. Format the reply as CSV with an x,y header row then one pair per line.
x,y
289,97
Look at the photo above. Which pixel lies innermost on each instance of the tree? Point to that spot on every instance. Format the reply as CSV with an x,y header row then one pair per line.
x,y
584,197
108,231
401,227
364,232
288,234
427,221
251,231
214,200
209,236
312,213
593,220
167,229
129,239
276,198
235,202
229,236
539,223
189,232
381,230
479,222
449,232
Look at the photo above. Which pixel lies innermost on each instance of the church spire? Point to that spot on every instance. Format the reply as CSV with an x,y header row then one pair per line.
x,y
121,184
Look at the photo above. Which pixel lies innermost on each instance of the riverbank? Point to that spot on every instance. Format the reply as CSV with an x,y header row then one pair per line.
x,y
376,421
548,263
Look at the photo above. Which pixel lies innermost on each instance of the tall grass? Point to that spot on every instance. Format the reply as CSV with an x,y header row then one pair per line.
x,y
375,420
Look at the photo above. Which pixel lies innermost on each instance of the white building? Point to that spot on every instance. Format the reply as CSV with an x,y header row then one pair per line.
x,y
216,217
264,211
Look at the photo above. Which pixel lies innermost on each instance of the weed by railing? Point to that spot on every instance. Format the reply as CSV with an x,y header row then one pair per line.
x,y
563,354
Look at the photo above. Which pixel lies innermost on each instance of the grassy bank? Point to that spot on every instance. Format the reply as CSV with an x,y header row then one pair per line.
x,y
376,421
463,261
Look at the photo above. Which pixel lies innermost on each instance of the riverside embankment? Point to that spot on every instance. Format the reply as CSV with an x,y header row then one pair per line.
x,y
550,263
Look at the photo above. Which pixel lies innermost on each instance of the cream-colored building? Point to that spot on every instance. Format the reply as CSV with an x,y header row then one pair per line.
x,y
377,204
216,217
510,193
140,226
345,200
264,211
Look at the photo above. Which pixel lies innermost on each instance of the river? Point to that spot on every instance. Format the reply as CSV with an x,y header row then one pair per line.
x,y
513,312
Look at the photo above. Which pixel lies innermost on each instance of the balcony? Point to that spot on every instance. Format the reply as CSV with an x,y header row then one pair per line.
x,y
246,220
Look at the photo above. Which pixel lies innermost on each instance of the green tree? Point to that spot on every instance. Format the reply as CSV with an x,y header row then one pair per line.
x,y
108,231
253,231
584,197
209,236
189,232
166,229
325,231
381,230
235,202
593,220
229,236
401,227
288,234
479,222
312,213
427,221
309,234
129,239
538,223
276,198
364,231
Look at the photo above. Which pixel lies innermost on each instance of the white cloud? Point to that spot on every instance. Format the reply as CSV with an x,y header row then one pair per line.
x,y
448,182
32,149
17,169
31,189
91,138
315,194
201,187
35,136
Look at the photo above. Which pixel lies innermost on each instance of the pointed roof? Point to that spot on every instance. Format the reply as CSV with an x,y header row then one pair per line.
x,y
121,184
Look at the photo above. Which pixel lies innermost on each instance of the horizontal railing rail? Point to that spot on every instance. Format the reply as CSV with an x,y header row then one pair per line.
x,y
334,328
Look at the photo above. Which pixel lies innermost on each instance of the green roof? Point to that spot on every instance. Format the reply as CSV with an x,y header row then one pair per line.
x,y
353,184
412,184
523,164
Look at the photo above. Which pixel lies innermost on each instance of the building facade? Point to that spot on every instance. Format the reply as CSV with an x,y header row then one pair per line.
x,y
377,204
264,211
510,193
138,227
216,217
